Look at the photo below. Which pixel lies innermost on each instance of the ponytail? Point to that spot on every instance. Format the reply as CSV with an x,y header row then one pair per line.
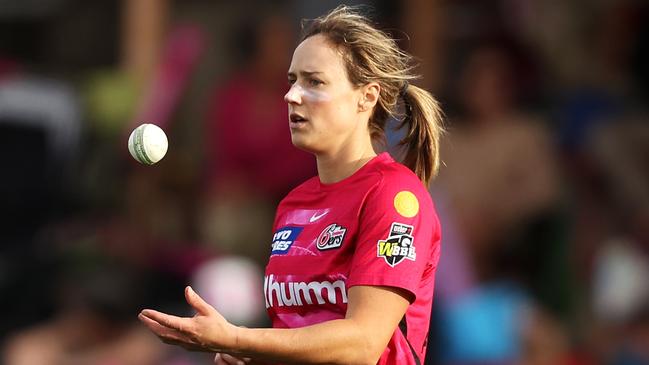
x,y
423,116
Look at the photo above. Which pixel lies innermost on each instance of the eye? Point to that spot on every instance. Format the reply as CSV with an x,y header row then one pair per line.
x,y
315,82
291,81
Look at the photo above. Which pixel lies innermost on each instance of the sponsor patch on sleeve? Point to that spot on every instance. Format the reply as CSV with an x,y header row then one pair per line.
x,y
398,246
283,239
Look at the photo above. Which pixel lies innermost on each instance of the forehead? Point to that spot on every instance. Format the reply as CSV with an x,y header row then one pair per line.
x,y
317,54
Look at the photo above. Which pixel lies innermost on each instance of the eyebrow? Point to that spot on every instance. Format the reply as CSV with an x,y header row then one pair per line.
x,y
304,73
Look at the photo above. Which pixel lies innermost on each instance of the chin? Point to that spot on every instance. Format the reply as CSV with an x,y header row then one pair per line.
x,y
301,143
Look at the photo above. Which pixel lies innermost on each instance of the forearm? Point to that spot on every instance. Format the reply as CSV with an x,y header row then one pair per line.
x,y
342,341
372,315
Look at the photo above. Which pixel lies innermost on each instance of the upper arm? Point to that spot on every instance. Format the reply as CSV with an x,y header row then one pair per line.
x,y
398,239
377,310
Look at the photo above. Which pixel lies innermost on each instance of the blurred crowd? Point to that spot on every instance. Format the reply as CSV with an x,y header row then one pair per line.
x,y
543,194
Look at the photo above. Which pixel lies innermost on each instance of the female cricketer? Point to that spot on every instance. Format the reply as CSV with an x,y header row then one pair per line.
x,y
355,249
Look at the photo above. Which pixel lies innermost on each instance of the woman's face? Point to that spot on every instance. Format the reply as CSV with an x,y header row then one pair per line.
x,y
323,105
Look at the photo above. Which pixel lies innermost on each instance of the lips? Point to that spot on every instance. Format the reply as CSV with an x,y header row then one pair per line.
x,y
296,118
296,121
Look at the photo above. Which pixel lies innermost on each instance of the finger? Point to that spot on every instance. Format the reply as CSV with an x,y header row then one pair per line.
x,y
178,323
218,360
167,335
225,359
154,326
231,360
201,306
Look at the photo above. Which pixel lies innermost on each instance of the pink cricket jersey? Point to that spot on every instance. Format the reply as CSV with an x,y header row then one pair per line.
x,y
376,227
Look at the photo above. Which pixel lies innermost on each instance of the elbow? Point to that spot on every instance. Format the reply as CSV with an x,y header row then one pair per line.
x,y
370,352
363,344
363,354
373,357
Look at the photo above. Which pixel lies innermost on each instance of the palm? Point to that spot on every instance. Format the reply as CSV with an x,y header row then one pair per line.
x,y
205,331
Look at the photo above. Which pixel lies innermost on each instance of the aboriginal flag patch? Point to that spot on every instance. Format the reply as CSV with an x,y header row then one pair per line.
x,y
398,246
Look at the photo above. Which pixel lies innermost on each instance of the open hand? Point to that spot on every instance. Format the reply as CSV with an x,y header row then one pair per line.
x,y
205,331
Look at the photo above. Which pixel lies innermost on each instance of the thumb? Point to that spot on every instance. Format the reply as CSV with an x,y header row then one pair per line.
x,y
201,306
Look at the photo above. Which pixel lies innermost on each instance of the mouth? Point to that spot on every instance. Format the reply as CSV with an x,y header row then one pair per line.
x,y
296,120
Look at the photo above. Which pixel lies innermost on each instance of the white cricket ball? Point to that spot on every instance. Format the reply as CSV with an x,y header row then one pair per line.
x,y
148,144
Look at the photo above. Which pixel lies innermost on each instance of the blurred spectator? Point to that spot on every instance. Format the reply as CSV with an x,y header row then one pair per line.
x,y
500,191
484,326
603,87
500,168
604,139
251,163
34,111
499,324
39,147
248,139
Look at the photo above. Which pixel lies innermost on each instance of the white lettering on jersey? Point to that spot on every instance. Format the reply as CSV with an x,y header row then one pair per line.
x,y
301,293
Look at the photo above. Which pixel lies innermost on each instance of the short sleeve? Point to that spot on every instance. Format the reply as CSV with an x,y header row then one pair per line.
x,y
398,237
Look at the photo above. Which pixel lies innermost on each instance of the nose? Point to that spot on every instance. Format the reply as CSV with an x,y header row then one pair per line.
x,y
294,95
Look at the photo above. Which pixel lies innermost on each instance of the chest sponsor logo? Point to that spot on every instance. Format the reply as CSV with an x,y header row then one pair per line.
x,y
283,239
298,293
398,246
331,237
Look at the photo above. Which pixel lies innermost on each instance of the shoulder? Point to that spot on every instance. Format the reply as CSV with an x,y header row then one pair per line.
x,y
398,180
399,196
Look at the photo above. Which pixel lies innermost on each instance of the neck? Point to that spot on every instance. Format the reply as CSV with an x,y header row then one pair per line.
x,y
334,167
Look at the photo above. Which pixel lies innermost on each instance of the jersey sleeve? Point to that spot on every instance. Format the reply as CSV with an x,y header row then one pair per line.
x,y
398,238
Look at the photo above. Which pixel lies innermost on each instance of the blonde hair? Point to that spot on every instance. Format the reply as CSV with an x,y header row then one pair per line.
x,y
370,55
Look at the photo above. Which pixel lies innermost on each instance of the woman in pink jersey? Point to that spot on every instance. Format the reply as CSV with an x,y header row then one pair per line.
x,y
354,251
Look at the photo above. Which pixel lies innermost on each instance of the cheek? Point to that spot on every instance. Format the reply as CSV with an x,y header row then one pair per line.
x,y
324,108
332,106
329,109
316,96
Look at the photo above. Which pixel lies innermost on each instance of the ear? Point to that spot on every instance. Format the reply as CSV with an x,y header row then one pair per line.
x,y
369,96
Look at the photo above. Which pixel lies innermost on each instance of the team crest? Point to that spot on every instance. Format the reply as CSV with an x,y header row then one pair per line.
x,y
398,246
331,237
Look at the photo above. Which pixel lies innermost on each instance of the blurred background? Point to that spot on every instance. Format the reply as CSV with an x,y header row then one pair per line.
x,y
544,194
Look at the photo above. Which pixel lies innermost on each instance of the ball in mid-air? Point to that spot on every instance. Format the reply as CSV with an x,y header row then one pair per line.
x,y
148,144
